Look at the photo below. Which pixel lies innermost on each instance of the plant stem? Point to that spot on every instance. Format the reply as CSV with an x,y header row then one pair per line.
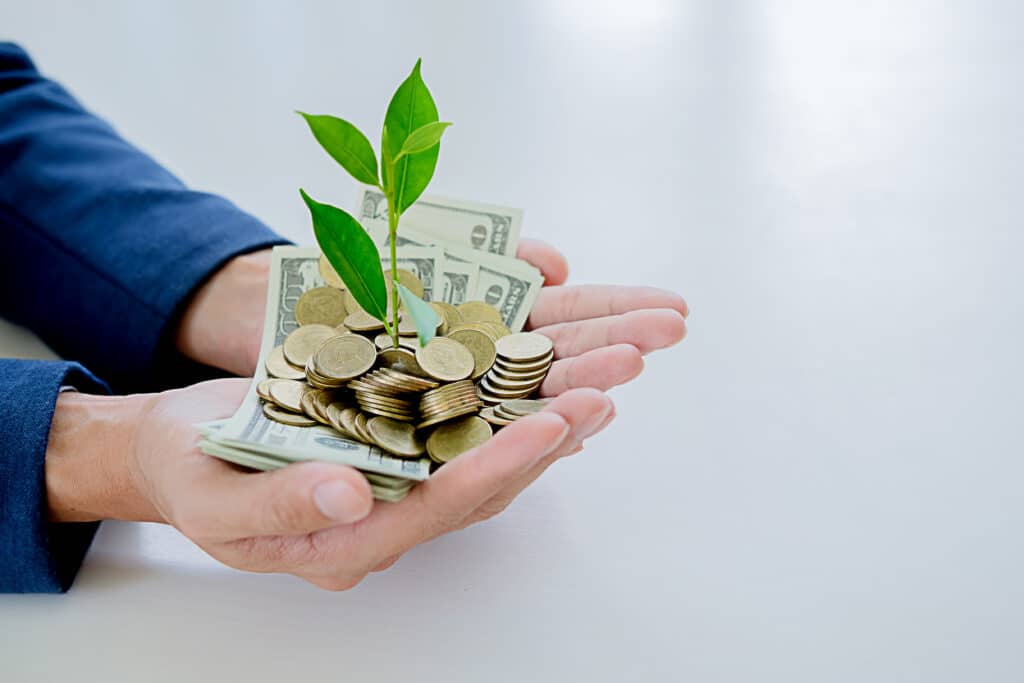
x,y
393,217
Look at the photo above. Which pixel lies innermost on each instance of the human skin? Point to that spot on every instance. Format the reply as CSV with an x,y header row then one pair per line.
x,y
136,457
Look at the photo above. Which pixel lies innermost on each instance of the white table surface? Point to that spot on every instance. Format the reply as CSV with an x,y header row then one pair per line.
x,y
823,483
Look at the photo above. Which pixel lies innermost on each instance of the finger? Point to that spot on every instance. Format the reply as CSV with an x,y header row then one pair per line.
x,y
297,499
545,257
582,302
647,330
443,501
571,446
600,369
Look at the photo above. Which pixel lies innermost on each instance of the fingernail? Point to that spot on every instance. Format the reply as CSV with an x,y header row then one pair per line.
x,y
337,501
596,423
555,443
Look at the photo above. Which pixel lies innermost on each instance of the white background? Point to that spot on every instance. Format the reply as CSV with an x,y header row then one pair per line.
x,y
823,483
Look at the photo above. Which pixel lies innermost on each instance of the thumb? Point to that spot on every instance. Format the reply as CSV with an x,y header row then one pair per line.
x,y
297,499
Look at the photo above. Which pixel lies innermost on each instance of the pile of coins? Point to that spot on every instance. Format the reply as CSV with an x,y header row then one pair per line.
x,y
339,370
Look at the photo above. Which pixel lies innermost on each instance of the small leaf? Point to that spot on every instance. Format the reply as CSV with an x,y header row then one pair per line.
x,y
411,107
346,145
353,254
423,138
423,314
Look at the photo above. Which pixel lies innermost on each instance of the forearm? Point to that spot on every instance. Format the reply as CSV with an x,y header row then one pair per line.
x,y
88,456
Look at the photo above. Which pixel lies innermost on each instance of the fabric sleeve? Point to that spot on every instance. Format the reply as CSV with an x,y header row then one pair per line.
x,y
36,556
103,246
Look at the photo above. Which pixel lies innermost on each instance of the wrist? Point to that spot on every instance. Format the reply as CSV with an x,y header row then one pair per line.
x,y
222,323
89,473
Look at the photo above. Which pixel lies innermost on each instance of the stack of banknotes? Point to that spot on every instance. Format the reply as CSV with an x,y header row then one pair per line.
x,y
459,251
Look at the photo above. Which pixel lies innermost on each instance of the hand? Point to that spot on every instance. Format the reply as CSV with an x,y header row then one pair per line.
x,y
600,332
136,458
223,321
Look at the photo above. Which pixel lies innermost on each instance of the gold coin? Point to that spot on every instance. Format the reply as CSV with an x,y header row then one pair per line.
x,y
322,305
287,418
329,275
309,407
347,417
263,389
359,422
346,357
534,366
446,360
361,321
478,311
288,393
497,330
401,359
384,402
524,406
407,327
334,413
511,385
482,348
397,438
491,415
383,341
278,366
439,418
409,281
384,412
449,315
418,383
502,372
454,438
351,305
524,347
302,342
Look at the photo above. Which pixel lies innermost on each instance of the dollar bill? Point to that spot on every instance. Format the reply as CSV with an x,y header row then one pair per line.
x,y
481,227
509,284
293,268
424,261
459,280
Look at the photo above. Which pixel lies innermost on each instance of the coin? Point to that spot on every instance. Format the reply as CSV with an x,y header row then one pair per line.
x,y
397,438
345,357
329,275
263,389
287,394
409,281
491,415
501,372
481,346
512,385
278,366
478,311
533,366
302,342
334,415
383,341
361,321
497,330
323,305
446,359
454,438
309,407
359,422
523,347
460,411
407,326
523,407
351,305
287,418
449,315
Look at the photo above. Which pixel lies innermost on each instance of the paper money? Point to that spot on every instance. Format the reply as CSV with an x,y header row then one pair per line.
x,y
292,270
481,227
509,284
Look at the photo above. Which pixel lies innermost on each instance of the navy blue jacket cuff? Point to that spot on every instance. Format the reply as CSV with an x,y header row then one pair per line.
x,y
36,556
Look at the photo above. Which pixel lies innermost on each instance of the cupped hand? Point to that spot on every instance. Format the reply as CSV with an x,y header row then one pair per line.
x,y
318,520
600,332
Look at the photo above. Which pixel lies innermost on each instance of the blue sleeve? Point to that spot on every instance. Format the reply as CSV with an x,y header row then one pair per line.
x,y
36,556
102,247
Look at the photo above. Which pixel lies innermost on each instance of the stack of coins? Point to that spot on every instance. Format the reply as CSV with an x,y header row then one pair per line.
x,y
507,412
522,363
338,359
339,370
448,402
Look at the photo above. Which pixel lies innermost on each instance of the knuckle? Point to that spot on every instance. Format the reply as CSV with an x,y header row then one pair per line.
x,y
282,513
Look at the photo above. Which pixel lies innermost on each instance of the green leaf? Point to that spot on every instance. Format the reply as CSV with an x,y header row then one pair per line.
x,y
346,145
423,314
423,138
411,107
353,254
